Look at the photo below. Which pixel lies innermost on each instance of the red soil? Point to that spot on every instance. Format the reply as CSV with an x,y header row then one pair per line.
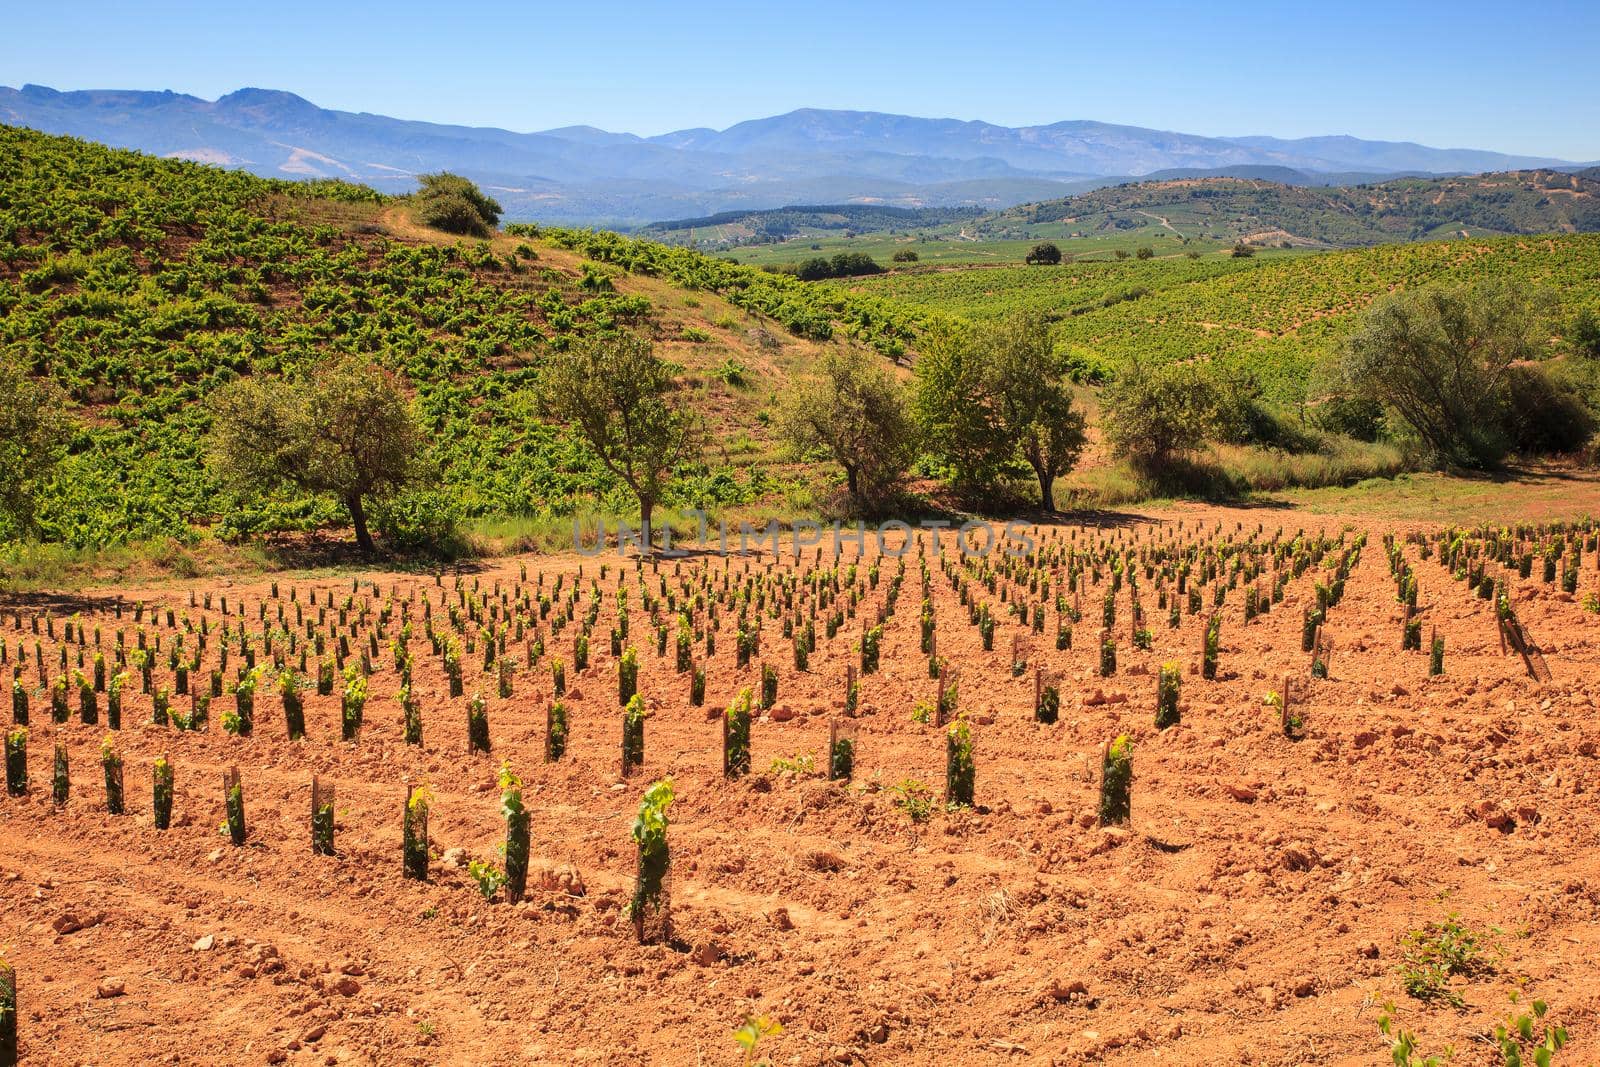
x,y
1252,913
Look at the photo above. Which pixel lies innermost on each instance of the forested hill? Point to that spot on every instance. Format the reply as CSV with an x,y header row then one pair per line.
x,y
778,224
139,285
1404,209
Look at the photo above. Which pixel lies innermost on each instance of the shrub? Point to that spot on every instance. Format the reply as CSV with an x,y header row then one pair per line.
x,y
1045,253
453,204
1441,358
1153,416
1543,415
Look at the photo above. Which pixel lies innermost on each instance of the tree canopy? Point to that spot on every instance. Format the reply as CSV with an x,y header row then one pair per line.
x,y
853,409
991,397
1154,415
1045,253
346,430
617,394
1440,359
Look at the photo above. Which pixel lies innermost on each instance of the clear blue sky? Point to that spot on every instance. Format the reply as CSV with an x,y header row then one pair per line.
x,y
1515,77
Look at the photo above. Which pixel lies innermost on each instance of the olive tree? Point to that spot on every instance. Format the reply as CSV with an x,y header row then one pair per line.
x,y
955,409
31,430
853,409
617,394
345,430
1031,398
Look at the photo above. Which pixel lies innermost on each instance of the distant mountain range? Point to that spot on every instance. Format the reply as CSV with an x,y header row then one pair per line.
x,y
583,174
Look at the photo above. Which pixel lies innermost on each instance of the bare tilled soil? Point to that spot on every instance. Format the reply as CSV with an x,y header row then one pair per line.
x,y
1254,909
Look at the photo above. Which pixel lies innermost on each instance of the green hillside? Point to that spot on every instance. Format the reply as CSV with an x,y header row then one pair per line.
x,y
1205,216
139,285
1272,315
730,229
1405,209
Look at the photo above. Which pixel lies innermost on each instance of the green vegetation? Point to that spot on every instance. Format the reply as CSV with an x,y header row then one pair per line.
x,y
1271,319
453,204
186,351
1445,360
345,431
32,436
139,287
488,876
650,835
1404,209
616,392
913,798
1116,782
852,412
1436,953
997,398
750,1035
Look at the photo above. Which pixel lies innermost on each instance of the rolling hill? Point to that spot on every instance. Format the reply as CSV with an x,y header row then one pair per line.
x,y
1272,317
139,285
582,174
1402,209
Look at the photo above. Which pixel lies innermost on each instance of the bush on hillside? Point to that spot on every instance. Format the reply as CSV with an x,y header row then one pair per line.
x,y
1441,359
1542,415
453,204
1155,416
1045,253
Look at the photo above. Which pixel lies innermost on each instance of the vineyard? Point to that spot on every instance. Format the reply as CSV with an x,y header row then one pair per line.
x,y
140,285
1273,316
1200,785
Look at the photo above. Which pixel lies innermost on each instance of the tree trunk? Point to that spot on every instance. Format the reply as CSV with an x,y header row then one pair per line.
x,y
1047,481
358,516
850,480
646,509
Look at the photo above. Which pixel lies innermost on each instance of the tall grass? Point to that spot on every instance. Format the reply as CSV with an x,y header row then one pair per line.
x,y
1225,472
